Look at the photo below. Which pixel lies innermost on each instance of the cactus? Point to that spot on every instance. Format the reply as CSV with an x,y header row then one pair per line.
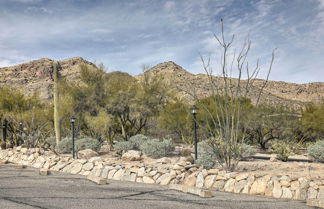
x,y
57,119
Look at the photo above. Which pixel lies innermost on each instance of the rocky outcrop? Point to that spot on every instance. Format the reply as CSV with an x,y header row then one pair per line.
x,y
182,175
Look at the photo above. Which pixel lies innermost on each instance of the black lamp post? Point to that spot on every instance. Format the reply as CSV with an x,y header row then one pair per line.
x,y
73,136
194,111
20,133
4,130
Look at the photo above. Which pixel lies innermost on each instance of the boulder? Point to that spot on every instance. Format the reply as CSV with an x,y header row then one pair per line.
x,y
163,160
209,181
229,186
111,173
118,175
104,173
277,190
219,185
239,186
141,172
76,168
97,180
190,180
166,178
200,180
242,176
286,193
87,154
148,180
132,155
87,166
312,193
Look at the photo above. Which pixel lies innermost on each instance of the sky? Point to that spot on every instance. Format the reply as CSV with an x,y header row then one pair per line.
x,y
127,34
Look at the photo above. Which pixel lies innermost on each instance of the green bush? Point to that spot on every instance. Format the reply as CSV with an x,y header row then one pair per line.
x,y
87,143
137,141
50,142
247,151
134,143
206,156
283,149
123,146
206,160
212,150
316,151
65,145
156,148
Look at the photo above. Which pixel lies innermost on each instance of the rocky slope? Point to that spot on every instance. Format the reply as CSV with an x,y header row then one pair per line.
x,y
185,84
36,76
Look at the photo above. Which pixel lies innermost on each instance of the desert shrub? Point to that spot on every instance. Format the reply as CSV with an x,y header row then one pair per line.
x,y
283,149
185,152
212,151
123,146
134,143
50,142
156,148
138,140
206,156
316,151
206,160
65,145
247,151
87,143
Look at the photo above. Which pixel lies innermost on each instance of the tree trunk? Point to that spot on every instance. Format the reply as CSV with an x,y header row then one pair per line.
x,y
57,119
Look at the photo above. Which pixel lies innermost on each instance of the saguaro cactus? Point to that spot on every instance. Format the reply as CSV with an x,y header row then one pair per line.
x,y
57,119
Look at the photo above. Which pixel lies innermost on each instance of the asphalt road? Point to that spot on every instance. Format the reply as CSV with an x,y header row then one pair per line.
x,y
25,188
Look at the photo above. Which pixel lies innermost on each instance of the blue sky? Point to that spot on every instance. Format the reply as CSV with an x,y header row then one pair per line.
x,y
125,34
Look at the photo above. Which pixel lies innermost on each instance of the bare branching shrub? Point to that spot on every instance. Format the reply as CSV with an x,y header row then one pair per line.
x,y
226,116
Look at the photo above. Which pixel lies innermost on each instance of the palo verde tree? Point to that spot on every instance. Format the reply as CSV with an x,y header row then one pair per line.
x,y
175,117
312,121
268,123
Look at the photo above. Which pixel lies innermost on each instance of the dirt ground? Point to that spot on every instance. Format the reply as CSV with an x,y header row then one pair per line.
x,y
295,169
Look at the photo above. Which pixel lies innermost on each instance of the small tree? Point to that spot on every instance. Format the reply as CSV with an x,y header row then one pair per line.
x,y
176,118
312,121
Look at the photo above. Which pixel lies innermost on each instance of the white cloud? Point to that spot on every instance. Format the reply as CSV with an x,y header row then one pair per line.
x,y
40,9
27,1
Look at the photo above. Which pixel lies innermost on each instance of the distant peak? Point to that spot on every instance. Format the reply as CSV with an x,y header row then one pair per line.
x,y
168,67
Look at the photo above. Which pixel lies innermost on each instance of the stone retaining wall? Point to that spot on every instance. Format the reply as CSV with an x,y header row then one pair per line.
x,y
183,173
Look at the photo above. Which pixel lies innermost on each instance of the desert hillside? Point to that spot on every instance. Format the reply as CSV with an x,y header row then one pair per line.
x,y
36,76
185,83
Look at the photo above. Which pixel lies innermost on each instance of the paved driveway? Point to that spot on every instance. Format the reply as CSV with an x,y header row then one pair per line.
x,y
24,188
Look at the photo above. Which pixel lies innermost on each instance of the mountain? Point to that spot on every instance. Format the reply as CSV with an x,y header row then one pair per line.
x,y
36,76
276,92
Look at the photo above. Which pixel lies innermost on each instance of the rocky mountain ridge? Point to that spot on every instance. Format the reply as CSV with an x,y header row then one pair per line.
x,y
36,76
